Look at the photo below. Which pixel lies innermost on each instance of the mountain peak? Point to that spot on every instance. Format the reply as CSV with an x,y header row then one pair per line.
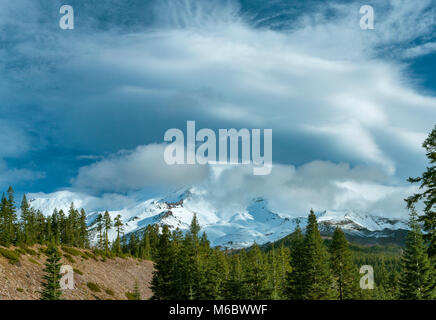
x,y
228,227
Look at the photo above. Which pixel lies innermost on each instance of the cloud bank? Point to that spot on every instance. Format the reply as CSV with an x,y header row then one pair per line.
x,y
339,99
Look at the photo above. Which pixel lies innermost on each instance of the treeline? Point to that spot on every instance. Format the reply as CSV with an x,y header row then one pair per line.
x,y
188,268
34,228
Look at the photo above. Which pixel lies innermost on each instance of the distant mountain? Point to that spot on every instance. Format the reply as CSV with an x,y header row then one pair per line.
x,y
230,228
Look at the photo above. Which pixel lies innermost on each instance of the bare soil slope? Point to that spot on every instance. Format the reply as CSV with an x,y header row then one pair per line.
x,y
113,277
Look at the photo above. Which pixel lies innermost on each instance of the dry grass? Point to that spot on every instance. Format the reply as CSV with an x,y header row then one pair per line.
x,y
115,277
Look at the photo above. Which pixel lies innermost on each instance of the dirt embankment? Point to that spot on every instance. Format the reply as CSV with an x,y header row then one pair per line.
x,y
94,276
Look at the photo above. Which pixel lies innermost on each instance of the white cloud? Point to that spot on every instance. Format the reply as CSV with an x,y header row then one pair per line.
x,y
323,76
290,190
136,169
319,185
420,50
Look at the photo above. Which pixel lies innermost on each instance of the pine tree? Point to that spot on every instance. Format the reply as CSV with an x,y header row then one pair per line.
x,y
417,278
118,224
51,286
136,292
56,227
283,268
12,215
344,271
4,235
107,226
147,246
194,227
100,227
316,275
162,281
427,183
234,285
63,227
256,275
8,219
83,230
295,283
27,222
72,226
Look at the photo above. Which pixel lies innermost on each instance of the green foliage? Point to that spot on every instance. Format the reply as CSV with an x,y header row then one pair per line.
x,y
344,271
20,289
12,256
34,261
43,250
317,275
93,287
427,196
130,296
20,251
256,275
30,251
109,292
78,271
417,280
295,284
135,295
69,258
75,252
51,286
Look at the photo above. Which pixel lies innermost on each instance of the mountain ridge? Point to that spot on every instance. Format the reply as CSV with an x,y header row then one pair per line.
x,y
231,228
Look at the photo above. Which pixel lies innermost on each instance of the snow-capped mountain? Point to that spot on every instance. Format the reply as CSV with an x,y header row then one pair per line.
x,y
231,227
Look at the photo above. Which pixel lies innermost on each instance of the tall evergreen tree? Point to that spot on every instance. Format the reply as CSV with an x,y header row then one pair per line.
x,y
256,275
118,224
4,218
295,282
417,280
427,183
234,285
83,230
316,275
107,226
27,221
162,281
56,227
344,271
100,231
51,286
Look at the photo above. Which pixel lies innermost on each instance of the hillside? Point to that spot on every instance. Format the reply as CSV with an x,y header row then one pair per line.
x,y
21,280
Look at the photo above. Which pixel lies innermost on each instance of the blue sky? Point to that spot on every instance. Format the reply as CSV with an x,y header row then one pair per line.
x,y
86,109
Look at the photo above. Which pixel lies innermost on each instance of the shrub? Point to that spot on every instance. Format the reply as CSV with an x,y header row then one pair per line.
x,y
110,292
20,289
42,250
12,256
93,287
69,258
34,261
30,251
71,251
130,296
78,271
90,255
20,251
74,252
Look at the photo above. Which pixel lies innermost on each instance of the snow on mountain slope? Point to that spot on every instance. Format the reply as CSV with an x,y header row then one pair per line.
x,y
61,200
233,228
